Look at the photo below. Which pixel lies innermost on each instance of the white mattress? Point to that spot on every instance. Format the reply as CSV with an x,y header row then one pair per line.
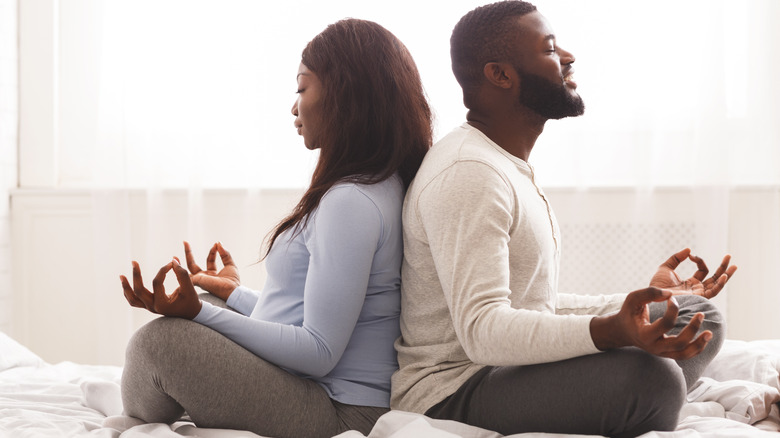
x,y
738,397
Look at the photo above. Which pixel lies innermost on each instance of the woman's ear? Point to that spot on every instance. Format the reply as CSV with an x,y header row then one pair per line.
x,y
499,74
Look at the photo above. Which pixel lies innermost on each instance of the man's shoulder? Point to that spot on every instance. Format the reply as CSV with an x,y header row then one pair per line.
x,y
465,143
462,146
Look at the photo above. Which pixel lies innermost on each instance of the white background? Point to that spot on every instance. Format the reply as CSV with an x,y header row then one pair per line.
x,y
132,113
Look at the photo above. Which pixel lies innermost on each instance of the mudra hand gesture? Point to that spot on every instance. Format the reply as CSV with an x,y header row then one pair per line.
x,y
182,303
219,283
698,284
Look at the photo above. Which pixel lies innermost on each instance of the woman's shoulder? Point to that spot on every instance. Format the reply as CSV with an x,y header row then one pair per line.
x,y
384,194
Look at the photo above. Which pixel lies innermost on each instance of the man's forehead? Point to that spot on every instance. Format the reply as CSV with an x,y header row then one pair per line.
x,y
533,27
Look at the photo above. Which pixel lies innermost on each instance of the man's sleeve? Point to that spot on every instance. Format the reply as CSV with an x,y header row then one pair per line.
x,y
574,304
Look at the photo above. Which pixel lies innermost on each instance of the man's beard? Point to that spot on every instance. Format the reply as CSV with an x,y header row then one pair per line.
x,y
548,99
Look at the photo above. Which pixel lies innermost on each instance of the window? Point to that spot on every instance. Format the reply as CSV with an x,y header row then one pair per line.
x,y
180,93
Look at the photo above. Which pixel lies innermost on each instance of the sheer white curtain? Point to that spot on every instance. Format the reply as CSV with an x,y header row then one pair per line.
x,y
196,95
179,93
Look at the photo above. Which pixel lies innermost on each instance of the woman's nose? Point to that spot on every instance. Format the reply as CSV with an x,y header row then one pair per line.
x,y
294,109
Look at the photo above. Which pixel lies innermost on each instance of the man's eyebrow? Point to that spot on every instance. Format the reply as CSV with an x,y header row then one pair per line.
x,y
549,37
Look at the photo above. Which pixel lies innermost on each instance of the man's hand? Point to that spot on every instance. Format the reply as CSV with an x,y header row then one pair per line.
x,y
632,327
667,278
220,283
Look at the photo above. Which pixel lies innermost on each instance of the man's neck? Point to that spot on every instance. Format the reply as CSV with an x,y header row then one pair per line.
x,y
515,133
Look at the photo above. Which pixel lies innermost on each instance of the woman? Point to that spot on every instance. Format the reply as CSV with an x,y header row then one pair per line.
x,y
313,354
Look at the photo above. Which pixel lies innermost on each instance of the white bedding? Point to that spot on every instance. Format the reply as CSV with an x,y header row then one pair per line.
x,y
737,397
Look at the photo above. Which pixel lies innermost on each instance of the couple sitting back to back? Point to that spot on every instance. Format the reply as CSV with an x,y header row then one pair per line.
x,y
458,308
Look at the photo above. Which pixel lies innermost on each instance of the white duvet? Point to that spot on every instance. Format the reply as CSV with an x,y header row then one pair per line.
x,y
737,397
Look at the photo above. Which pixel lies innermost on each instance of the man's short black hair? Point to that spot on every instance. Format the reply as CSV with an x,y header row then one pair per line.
x,y
482,36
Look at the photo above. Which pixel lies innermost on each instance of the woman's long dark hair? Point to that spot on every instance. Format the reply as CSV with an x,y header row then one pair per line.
x,y
376,118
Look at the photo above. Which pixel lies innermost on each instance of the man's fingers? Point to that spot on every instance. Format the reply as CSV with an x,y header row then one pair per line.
x,y
723,277
639,298
687,334
701,268
674,261
718,281
692,349
666,322
227,259
191,265
683,345
722,267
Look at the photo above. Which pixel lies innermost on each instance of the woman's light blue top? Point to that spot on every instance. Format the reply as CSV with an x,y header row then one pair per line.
x,y
331,302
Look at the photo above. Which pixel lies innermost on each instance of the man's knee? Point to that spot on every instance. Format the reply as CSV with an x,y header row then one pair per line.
x,y
713,319
658,389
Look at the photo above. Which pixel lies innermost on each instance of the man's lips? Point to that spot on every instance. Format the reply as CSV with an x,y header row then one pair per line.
x,y
568,78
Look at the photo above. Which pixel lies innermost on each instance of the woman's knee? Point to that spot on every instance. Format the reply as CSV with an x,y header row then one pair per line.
x,y
150,358
154,340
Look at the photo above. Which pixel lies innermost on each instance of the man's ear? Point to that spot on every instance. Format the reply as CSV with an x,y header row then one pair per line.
x,y
499,74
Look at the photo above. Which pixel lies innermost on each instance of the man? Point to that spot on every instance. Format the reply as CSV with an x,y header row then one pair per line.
x,y
486,338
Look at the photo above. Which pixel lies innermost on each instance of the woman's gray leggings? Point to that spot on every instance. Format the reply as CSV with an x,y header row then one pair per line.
x,y
623,392
175,366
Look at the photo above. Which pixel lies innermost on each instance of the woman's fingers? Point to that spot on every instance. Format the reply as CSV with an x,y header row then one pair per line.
x,y
182,276
211,259
138,281
191,265
127,290
139,290
227,259
158,286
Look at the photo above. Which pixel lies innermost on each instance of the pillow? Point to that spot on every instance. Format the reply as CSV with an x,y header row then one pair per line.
x,y
756,361
14,354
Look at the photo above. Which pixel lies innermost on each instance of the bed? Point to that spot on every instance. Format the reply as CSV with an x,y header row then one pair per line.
x,y
737,397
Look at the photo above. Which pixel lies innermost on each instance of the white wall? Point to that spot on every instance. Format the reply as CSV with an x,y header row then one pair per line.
x,y
8,141
71,246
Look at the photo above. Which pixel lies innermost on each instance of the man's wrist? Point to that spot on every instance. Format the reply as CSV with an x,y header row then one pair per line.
x,y
605,332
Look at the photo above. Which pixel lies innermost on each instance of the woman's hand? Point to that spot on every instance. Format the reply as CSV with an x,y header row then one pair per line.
x,y
221,283
631,326
667,278
182,303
